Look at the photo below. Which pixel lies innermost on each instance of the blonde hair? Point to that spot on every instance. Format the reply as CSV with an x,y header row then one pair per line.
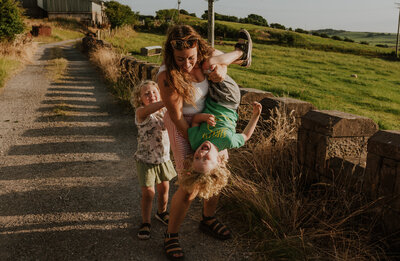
x,y
175,77
207,184
135,99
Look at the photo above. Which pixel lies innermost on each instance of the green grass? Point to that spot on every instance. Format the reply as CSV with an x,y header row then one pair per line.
x,y
58,35
321,78
7,67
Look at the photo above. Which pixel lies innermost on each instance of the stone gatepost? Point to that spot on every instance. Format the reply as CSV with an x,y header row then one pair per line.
x,y
332,135
286,105
382,175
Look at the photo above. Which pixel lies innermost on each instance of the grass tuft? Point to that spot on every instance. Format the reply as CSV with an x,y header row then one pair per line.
x,y
282,215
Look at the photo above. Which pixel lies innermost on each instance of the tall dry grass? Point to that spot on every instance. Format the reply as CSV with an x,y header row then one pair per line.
x,y
107,60
284,217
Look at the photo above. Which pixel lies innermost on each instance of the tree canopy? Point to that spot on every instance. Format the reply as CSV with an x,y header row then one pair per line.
x,y
119,14
11,22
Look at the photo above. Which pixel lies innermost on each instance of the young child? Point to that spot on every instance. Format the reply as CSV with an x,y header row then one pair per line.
x,y
153,162
214,130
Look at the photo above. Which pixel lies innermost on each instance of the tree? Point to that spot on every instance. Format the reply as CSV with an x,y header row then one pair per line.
x,y
167,15
119,14
11,22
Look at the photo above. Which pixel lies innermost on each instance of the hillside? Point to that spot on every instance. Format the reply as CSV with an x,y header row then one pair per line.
x,y
324,76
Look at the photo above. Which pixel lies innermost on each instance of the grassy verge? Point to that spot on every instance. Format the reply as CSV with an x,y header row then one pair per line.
x,y
57,64
322,78
61,29
7,67
281,217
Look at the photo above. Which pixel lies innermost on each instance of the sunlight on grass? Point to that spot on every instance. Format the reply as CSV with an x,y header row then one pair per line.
x,y
7,67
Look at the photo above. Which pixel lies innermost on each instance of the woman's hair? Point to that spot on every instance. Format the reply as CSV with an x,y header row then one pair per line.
x,y
175,77
135,99
206,184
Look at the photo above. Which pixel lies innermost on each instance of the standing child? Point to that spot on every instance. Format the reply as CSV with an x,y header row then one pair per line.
x,y
214,130
153,162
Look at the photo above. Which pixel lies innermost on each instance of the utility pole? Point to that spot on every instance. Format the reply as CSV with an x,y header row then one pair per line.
x,y
211,22
398,29
179,12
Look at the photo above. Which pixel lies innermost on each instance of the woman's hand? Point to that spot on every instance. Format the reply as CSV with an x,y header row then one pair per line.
x,y
219,73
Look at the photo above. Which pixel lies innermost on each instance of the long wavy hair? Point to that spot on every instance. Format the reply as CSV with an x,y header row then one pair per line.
x,y
177,79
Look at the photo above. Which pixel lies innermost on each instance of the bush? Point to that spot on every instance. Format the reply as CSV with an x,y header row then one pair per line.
x,y
337,38
324,35
364,42
11,22
348,40
277,26
302,31
382,45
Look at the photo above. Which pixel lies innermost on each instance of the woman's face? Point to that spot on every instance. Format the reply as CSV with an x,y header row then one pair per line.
x,y
186,59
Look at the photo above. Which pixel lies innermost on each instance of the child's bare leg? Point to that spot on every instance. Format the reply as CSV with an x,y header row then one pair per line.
x,y
162,198
180,204
146,203
226,58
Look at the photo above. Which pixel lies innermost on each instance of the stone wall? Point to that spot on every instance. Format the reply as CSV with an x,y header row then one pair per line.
x,y
333,146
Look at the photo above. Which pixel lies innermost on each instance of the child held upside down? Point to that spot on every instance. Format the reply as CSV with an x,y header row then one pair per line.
x,y
214,130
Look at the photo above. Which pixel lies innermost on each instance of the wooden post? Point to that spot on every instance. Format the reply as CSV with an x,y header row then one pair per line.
x,y
211,22
398,29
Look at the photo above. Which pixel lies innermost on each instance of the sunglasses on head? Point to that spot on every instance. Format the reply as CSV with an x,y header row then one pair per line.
x,y
183,44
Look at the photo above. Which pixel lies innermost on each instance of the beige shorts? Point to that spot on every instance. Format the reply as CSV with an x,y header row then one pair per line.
x,y
151,174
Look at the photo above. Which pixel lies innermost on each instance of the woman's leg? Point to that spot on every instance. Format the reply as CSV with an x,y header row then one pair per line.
x,y
146,203
162,198
209,208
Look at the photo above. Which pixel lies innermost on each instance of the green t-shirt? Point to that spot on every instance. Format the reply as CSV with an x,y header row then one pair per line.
x,y
223,135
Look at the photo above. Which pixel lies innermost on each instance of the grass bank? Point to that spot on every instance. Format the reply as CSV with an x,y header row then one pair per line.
x,y
7,67
362,85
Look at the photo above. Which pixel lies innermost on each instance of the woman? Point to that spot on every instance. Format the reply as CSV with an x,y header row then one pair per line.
x,y
184,87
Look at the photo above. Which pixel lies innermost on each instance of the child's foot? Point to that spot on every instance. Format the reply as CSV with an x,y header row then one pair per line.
x,y
163,217
144,231
245,45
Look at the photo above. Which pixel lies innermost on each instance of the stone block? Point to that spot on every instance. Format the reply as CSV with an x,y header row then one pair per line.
x,y
338,124
372,175
151,50
385,143
344,172
285,104
387,178
248,95
152,70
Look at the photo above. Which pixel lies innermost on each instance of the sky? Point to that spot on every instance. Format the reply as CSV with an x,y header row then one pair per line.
x,y
349,15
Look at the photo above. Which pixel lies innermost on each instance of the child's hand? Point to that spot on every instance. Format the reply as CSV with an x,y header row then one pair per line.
x,y
207,67
211,120
257,107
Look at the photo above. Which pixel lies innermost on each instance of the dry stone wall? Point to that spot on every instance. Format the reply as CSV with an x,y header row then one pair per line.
x,y
332,145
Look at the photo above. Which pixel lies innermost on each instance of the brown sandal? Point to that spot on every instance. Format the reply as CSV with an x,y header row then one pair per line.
x,y
172,247
215,229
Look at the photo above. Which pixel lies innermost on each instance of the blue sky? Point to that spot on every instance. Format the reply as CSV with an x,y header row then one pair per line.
x,y
350,15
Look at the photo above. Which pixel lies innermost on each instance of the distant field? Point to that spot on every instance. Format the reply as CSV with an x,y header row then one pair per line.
x,y
322,78
388,39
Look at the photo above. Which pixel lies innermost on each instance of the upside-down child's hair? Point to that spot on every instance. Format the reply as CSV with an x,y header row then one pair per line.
x,y
135,94
207,184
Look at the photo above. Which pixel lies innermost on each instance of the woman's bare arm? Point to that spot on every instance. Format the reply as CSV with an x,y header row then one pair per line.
x,y
174,104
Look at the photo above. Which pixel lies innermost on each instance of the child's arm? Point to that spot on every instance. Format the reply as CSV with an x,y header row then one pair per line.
x,y
203,117
143,112
248,131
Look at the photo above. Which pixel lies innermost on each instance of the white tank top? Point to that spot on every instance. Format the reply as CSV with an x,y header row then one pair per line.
x,y
201,89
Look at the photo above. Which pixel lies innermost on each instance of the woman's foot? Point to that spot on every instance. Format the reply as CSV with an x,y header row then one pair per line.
x,y
144,231
213,227
244,44
163,217
172,248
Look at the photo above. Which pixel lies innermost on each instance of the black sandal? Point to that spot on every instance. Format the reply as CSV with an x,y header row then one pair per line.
x,y
215,229
144,231
172,247
163,217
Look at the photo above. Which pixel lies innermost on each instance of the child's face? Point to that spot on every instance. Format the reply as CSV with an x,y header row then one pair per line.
x,y
149,94
205,158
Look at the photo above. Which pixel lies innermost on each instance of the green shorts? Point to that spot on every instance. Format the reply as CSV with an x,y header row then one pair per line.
x,y
151,174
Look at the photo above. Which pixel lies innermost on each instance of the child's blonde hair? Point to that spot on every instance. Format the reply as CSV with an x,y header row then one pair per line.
x,y
207,184
135,99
